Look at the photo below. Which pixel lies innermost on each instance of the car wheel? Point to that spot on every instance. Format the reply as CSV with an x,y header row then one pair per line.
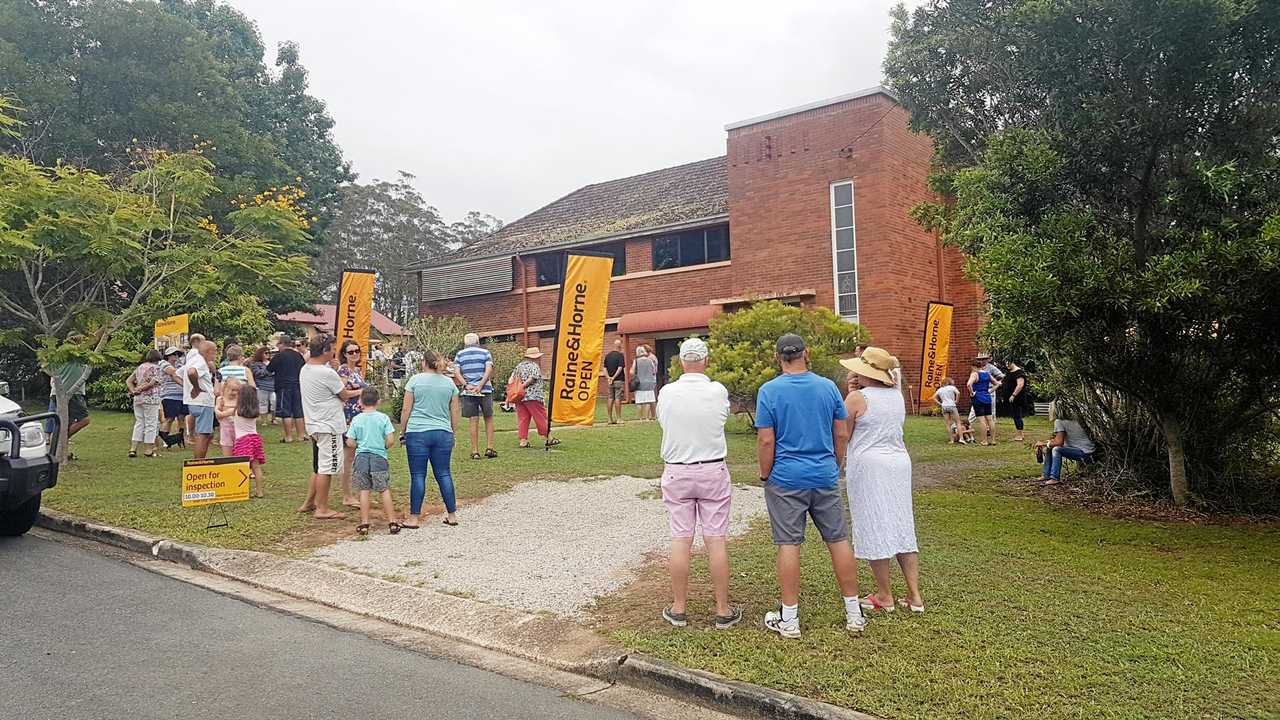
x,y
19,519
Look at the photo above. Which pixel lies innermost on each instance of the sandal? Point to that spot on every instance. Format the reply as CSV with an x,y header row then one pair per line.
x,y
133,453
491,453
362,529
917,609
407,526
552,442
524,444
394,529
871,603
475,456
453,523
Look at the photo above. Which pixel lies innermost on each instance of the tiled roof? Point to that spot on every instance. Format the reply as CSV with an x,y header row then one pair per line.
x,y
323,318
629,205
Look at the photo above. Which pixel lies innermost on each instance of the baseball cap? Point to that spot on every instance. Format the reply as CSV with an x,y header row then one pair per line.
x,y
693,350
790,344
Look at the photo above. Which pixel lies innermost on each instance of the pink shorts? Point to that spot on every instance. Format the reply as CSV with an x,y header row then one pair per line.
x,y
697,493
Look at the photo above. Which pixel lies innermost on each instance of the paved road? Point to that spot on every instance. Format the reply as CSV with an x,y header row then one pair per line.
x,y
87,636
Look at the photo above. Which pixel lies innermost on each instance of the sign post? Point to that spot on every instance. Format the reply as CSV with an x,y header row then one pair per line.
x,y
215,481
576,359
353,311
937,349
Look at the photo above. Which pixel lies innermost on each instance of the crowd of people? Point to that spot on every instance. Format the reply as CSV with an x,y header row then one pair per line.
x,y
318,392
810,436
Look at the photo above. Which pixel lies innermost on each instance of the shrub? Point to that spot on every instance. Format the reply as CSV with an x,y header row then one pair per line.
x,y
743,345
108,391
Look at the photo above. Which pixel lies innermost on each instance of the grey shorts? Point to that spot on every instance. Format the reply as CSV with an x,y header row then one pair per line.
x,y
370,472
477,405
788,508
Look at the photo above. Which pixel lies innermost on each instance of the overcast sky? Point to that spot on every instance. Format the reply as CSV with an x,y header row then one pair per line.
x,y
504,106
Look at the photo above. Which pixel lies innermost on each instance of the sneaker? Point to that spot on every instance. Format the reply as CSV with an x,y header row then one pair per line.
x,y
676,619
786,628
724,622
854,620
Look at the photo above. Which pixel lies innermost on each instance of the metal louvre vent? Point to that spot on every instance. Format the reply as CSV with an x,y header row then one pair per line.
x,y
480,277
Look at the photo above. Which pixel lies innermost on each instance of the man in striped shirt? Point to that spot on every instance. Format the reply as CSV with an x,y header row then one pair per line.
x,y
475,364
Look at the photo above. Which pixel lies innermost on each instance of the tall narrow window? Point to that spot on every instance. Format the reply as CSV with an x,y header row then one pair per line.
x,y
845,262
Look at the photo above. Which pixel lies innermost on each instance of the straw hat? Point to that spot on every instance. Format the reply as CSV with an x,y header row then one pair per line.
x,y
532,353
875,363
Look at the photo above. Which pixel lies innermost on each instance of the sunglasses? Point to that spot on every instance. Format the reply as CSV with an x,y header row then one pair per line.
x,y
353,352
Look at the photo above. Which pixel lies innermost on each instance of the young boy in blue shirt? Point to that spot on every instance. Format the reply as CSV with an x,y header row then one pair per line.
x,y
372,434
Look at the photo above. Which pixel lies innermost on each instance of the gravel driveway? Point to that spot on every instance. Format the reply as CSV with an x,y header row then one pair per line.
x,y
543,546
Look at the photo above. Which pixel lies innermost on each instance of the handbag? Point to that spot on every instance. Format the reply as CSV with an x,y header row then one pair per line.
x,y
515,389
634,385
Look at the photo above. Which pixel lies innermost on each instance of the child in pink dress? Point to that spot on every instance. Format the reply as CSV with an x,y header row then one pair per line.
x,y
248,441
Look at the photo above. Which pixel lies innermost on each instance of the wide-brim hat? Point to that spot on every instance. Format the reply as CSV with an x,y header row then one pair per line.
x,y
874,363
532,353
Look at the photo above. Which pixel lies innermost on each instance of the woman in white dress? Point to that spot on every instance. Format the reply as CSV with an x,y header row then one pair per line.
x,y
878,474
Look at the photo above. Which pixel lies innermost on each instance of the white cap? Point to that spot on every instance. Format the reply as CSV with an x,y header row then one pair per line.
x,y
693,350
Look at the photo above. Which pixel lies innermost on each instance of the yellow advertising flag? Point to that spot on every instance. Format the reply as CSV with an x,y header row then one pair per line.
x,y
937,349
353,312
173,326
215,480
575,362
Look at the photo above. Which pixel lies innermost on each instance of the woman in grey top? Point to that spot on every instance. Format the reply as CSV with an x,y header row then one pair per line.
x,y
645,370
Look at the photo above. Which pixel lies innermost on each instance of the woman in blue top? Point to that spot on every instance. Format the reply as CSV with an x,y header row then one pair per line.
x,y
981,385
426,429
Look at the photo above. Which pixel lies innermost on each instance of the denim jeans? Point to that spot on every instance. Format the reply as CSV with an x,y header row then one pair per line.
x,y
434,447
1053,460
1015,411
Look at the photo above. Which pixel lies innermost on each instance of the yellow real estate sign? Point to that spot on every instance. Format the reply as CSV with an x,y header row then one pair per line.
x,y
173,325
215,480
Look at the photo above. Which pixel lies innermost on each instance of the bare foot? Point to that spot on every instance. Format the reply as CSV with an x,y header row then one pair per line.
x,y
306,508
329,515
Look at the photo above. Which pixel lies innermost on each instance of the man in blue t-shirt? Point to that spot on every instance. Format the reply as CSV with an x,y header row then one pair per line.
x,y
475,365
801,417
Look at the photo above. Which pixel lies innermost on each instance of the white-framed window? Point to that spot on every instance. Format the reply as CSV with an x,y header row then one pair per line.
x,y
844,261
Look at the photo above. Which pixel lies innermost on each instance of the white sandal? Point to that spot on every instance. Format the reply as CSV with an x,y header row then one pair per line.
x,y
918,609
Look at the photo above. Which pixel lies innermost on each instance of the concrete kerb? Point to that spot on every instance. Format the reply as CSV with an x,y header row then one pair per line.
x,y
543,639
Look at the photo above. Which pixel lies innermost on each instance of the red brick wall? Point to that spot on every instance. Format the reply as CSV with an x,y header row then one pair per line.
x,y
780,173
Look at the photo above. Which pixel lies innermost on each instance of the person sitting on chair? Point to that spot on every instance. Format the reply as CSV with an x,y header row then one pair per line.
x,y
1069,441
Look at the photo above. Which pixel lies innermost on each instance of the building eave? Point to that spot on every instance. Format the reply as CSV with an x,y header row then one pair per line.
x,y
867,92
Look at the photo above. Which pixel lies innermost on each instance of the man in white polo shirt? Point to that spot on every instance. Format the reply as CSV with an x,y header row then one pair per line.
x,y
197,394
695,483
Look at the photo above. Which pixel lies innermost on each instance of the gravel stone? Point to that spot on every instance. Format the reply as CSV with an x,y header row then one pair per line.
x,y
550,546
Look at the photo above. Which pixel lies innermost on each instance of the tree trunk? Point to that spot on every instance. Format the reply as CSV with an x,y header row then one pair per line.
x,y
62,405
1177,461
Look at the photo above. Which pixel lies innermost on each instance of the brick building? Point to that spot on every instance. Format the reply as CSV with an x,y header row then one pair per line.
x,y
809,205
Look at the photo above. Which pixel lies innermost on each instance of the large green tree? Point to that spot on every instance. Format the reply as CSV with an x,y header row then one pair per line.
x,y
385,225
98,77
83,256
1114,167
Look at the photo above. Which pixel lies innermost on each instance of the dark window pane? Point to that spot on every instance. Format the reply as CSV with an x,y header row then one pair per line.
x,y
549,269
844,261
666,252
844,194
844,239
848,305
847,283
693,248
619,253
844,217
718,243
